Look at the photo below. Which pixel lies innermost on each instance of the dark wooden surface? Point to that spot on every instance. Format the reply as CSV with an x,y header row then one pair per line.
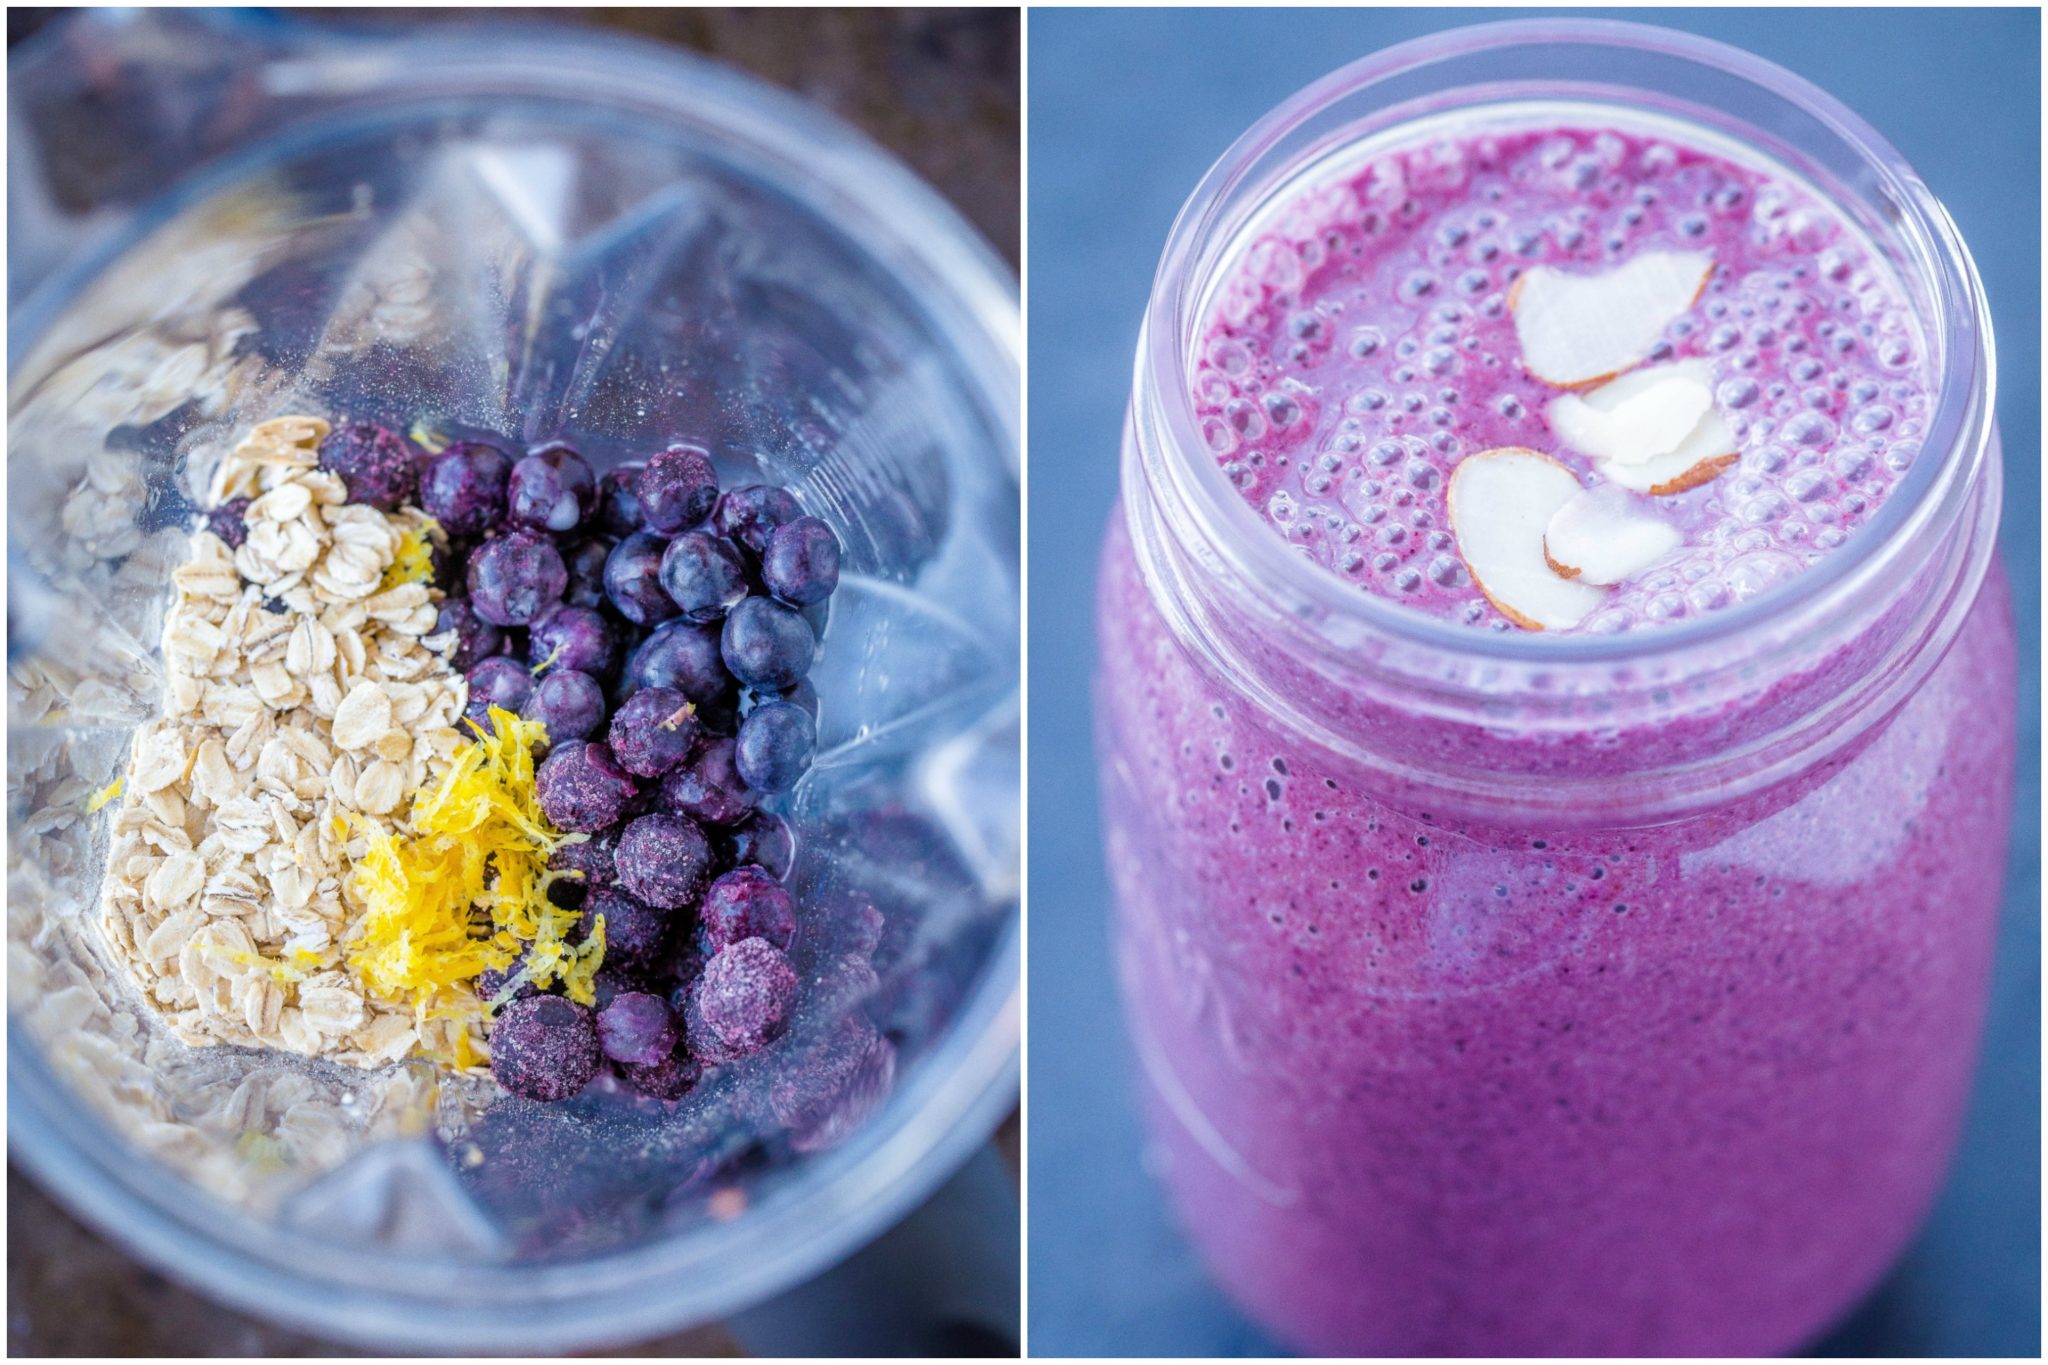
x,y
939,88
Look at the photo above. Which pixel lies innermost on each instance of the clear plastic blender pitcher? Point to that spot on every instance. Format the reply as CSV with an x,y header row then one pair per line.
x,y
548,235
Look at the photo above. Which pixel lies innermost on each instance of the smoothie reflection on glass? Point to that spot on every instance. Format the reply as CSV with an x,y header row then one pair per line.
x,y
1556,701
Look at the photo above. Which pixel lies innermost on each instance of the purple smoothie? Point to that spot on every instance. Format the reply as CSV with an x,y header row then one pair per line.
x,y
1429,1083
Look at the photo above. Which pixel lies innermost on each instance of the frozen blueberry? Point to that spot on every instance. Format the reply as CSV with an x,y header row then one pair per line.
x,y
668,1079
376,466
653,731
636,934
582,787
745,903
766,644
708,788
585,562
746,994
664,860
568,703
544,1048
678,489
475,638
618,506
801,563
593,858
683,656
463,487
761,839
515,577
226,522
749,513
776,742
578,638
497,681
551,490
637,1028
632,579
703,575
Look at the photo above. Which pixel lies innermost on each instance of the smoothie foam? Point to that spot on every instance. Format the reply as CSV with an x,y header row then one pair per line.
x,y
1367,342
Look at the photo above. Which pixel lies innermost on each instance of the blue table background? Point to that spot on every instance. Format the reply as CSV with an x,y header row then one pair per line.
x,y
1127,110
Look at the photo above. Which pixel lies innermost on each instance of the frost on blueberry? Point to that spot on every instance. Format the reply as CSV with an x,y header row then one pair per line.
x,y
746,994
376,466
654,731
544,1047
677,489
582,787
664,860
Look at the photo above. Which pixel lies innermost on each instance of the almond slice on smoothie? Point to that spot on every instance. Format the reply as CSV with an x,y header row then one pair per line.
x,y
1638,417
1653,431
1602,537
1501,501
1580,329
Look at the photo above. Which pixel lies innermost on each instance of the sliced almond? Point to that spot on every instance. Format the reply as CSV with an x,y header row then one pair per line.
x,y
1500,503
1699,458
1602,537
1581,329
1638,417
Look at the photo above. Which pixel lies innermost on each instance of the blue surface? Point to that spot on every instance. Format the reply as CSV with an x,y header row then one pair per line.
x,y
1128,109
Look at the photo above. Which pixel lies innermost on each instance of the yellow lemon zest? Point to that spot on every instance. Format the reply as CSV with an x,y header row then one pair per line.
x,y
545,664
104,795
426,438
413,562
466,890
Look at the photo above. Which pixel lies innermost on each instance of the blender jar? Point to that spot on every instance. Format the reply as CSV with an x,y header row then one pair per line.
x,y
546,235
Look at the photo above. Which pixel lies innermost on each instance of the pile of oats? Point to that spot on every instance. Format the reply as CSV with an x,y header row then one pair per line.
x,y
306,700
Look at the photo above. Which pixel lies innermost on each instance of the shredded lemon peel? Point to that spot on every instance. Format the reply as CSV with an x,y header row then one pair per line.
x,y
413,561
465,891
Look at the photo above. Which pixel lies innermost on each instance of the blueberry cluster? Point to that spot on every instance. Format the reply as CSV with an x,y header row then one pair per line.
x,y
661,629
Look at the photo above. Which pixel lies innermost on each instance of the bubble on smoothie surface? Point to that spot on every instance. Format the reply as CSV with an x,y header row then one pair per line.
x,y
1585,294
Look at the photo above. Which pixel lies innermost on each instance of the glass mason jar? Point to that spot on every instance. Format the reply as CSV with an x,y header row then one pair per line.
x,y
1512,994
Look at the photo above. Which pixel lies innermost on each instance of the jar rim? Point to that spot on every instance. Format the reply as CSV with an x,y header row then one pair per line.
x,y
1931,495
